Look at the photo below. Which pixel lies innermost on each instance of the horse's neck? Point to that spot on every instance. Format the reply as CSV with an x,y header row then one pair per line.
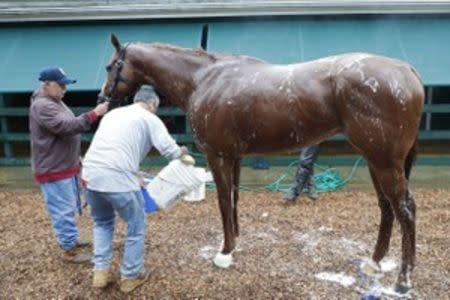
x,y
172,70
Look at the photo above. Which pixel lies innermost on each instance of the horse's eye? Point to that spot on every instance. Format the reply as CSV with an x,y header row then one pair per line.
x,y
108,68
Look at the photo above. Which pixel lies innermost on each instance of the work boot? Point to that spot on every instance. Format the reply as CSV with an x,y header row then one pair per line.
x,y
300,180
312,192
130,284
101,278
76,257
291,195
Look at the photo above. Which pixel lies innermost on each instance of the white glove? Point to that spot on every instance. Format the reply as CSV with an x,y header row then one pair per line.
x,y
187,159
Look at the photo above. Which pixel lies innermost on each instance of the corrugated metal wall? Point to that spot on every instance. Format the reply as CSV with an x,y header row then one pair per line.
x,y
22,11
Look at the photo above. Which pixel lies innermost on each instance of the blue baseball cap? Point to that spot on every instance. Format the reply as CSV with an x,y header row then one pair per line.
x,y
55,74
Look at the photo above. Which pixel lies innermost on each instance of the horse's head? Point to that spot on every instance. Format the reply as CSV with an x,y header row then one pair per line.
x,y
122,79
168,68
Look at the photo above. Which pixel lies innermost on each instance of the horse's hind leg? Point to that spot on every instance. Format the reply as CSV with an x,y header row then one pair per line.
x,y
407,209
392,180
386,221
236,177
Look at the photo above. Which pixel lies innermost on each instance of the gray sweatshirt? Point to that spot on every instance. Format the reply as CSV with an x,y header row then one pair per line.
x,y
121,142
55,137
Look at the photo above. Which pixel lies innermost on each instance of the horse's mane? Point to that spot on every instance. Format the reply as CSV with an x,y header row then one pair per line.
x,y
198,52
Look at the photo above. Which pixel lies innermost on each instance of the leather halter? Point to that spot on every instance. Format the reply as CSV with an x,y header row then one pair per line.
x,y
117,78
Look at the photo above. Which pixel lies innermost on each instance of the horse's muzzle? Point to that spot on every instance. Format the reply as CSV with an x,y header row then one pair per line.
x,y
113,103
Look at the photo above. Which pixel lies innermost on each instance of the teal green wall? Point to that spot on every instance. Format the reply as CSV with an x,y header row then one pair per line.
x,y
82,50
421,41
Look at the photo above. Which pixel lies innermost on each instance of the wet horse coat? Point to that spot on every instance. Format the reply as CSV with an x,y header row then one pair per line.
x,y
238,105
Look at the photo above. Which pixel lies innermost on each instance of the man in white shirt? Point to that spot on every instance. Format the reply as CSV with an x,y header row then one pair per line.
x,y
110,172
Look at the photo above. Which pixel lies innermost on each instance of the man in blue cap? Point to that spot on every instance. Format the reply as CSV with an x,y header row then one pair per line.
x,y
55,152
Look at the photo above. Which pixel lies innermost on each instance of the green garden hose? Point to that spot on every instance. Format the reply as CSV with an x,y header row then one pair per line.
x,y
326,180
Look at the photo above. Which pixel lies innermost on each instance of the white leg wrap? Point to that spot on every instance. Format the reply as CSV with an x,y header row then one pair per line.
x,y
223,260
370,268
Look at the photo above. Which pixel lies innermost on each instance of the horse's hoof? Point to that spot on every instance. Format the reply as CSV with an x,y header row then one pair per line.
x,y
370,268
402,288
223,260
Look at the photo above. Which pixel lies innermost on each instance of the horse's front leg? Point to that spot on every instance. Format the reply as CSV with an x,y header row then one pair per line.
x,y
222,169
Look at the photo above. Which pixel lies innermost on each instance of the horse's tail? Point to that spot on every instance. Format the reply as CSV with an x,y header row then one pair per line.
x,y
411,157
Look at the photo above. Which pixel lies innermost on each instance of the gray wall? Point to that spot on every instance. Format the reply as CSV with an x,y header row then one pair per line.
x,y
23,11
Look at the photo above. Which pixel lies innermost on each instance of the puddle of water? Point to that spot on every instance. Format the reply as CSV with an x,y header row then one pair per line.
x,y
339,278
208,252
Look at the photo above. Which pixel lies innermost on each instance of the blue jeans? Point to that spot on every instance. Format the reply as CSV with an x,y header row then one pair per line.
x,y
61,198
308,158
130,207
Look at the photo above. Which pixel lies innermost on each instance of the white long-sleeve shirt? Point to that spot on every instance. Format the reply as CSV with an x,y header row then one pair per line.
x,y
121,142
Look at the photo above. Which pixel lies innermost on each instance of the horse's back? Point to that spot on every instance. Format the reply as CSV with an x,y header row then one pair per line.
x,y
260,107
263,107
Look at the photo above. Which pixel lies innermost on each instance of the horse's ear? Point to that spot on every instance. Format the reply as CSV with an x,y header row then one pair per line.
x,y
115,42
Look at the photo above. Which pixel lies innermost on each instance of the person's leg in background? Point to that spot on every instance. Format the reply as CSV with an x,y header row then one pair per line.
x,y
311,190
304,175
61,199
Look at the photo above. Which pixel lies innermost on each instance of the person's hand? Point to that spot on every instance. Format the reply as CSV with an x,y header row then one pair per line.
x,y
184,150
102,108
141,177
142,182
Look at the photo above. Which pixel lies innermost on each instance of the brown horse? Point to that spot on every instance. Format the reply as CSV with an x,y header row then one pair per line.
x,y
239,105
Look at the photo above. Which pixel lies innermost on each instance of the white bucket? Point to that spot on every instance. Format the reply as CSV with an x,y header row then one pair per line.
x,y
175,180
164,193
198,192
